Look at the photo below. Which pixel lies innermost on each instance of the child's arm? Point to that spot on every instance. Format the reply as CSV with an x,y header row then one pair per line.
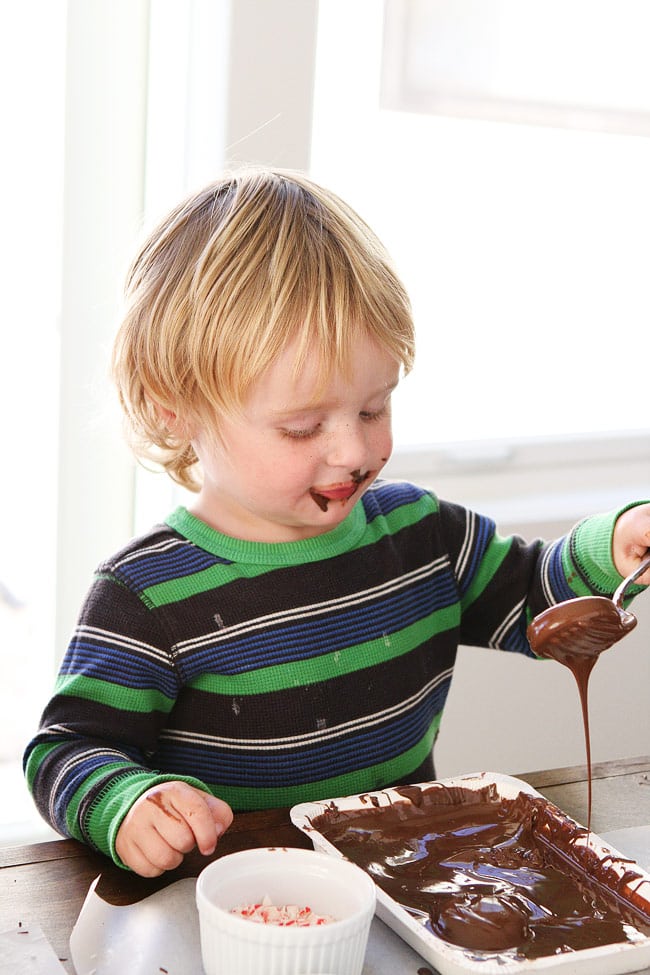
x,y
504,581
165,823
94,757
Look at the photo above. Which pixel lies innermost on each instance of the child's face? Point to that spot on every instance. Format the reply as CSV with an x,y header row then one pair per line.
x,y
291,467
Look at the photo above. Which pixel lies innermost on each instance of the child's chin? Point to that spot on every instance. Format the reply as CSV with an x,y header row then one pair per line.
x,y
321,520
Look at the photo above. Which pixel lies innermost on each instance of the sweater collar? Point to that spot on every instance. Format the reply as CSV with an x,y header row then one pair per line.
x,y
340,539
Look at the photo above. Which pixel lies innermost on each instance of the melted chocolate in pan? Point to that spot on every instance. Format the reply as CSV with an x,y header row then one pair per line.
x,y
491,874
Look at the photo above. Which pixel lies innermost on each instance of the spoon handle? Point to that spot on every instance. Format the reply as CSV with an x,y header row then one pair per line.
x,y
620,592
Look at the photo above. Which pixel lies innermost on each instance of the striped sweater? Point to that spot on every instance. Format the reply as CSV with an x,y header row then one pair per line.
x,y
276,673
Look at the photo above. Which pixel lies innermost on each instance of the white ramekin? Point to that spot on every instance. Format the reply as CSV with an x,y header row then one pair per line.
x,y
232,945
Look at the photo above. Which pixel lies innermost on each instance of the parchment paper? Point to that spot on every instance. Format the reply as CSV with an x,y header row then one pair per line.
x,y
161,935
25,950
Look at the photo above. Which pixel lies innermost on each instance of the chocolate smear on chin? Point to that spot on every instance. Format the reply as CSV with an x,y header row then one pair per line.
x,y
320,499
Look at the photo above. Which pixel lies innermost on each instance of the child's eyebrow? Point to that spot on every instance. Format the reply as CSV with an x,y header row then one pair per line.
x,y
324,405
300,410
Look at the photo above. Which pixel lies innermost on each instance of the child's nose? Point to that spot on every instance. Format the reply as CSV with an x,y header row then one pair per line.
x,y
348,447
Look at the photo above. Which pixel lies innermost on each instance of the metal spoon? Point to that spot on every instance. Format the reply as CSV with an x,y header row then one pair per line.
x,y
584,626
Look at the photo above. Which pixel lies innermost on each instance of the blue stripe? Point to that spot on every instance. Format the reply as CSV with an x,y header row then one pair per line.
x,y
559,586
118,667
393,496
75,779
300,765
516,641
154,568
307,639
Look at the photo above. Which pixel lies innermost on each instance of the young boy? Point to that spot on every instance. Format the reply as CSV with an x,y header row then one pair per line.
x,y
292,635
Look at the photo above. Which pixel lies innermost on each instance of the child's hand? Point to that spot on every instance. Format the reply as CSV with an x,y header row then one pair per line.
x,y
165,823
631,542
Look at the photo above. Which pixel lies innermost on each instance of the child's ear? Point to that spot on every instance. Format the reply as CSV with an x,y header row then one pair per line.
x,y
168,418
174,424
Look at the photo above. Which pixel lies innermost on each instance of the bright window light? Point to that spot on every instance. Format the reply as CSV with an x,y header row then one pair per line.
x,y
525,250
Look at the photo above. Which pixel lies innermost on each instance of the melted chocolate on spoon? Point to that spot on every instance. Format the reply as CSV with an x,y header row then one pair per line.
x,y
576,632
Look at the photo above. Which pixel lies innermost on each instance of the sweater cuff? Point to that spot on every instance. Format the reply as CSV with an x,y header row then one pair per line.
x,y
590,551
105,813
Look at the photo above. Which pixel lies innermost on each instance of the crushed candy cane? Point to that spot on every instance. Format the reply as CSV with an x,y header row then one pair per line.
x,y
289,915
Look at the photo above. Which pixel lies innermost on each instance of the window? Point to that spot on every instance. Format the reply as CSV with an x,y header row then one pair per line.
x,y
525,249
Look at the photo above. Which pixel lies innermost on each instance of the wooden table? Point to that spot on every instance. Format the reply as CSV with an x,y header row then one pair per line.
x,y
47,882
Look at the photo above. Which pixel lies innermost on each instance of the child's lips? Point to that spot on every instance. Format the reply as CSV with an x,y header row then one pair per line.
x,y
341,491
338,492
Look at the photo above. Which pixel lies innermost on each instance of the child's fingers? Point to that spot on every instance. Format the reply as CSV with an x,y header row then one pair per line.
x,y
184,817
146,852
631,543
167,822
206,817
153,856
222,816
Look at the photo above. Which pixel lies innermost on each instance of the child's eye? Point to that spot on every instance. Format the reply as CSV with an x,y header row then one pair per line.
x,y
370,415
301,434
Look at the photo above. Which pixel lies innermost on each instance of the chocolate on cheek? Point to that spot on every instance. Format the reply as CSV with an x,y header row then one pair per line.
x,y
359,478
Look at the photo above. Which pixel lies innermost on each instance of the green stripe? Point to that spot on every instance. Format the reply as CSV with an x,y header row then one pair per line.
x,y
116,796
87,785
118,697
327,666
487,569
175,590
399,518
572,574
374,777
36,759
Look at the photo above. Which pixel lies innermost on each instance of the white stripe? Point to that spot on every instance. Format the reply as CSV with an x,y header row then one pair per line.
x,y
314,609
311,737
467,546
164,546
78,759
546,571
507,623
125,642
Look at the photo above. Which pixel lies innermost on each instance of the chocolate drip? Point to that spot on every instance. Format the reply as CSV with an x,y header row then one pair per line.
x,y
575,633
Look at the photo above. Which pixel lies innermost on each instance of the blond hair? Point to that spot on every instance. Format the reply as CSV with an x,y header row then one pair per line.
x,y
253,261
